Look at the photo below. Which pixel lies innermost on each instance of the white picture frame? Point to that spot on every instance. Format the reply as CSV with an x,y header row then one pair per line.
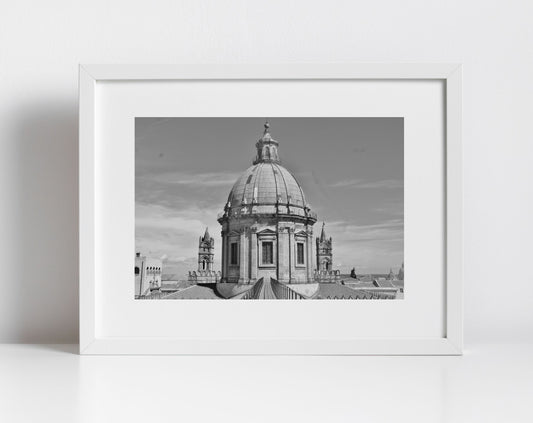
x,y
92,341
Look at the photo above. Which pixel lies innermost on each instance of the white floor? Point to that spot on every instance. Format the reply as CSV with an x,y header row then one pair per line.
x,y
490,383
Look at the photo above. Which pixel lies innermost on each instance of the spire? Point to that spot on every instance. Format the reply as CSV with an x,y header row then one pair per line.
x,y
206,237
323,233
400,273
324,251
267,147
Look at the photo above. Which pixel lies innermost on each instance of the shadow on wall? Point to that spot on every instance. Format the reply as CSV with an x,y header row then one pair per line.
x,y
42,301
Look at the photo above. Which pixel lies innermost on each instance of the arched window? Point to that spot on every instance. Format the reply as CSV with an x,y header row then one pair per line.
x,y
136,270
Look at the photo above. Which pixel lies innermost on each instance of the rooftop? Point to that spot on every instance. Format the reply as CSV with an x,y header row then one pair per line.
x,y
194,292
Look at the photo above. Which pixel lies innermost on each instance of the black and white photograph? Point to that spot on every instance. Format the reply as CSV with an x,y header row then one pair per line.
x,y
269,208
163,160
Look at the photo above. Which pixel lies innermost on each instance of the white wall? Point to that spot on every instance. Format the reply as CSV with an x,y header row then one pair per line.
x,y
41,44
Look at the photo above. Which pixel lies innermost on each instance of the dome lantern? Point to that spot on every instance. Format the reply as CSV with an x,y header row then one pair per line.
x,y
267,148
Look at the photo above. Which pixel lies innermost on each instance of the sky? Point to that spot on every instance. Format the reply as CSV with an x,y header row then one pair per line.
x,y
350,169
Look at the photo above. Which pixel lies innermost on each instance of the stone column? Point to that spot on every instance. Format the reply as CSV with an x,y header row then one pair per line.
x,y
282,259
223,254
283,255
227,253
310,259
292,258
243,257
253,254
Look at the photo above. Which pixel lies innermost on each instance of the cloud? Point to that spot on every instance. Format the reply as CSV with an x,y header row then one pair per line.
x,y
154,218
172,234
185,193
211,179
370,248
390,230
359,183
390,209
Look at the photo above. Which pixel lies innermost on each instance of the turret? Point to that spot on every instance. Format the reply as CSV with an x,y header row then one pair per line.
x,y
400,273
324,251
206,246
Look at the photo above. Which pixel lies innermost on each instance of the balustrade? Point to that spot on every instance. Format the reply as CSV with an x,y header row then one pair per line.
x,y
284,292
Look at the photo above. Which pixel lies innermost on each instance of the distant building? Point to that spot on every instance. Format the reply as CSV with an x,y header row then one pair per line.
x,y
324,259
206,246
400,273
206,254
324,251
148,272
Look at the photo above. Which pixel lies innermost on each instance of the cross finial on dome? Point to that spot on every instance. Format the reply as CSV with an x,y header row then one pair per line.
x,y
267,126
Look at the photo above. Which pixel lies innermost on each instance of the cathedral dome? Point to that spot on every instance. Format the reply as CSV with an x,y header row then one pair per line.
x,y
267,187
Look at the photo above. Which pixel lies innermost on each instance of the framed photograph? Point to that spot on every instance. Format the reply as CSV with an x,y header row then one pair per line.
x,y
327,197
